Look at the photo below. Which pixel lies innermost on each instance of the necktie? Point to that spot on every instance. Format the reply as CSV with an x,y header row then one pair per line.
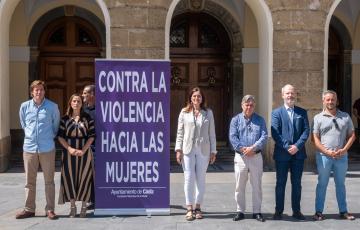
x,y
291,118
291,114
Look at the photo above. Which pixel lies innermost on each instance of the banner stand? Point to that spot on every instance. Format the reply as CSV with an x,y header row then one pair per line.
x,y
132,126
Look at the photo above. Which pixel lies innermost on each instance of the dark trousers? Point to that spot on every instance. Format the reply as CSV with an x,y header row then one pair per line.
x,y
92,198
296,169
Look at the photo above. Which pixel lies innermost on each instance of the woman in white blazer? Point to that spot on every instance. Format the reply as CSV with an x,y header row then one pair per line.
x,y
195,148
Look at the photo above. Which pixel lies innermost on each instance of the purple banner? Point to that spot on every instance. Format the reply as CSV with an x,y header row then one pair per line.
x,y
132,137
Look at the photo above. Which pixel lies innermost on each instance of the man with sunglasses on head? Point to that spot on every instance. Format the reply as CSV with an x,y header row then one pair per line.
x,y
88,96
333,133
290,130
248,136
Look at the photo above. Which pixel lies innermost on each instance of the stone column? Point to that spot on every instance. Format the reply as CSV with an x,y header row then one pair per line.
x,y
4,153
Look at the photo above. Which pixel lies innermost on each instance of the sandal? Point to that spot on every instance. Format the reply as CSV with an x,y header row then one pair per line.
x,y
318,216
198,213
189,215
346,216
83,212
72,213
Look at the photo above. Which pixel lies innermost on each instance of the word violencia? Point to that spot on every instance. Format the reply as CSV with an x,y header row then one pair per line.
x,y
132,111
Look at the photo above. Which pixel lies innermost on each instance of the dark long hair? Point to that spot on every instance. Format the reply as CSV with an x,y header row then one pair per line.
x,y
69,110
189,107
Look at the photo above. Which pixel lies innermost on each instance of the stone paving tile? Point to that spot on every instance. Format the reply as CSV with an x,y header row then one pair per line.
x,y
218,206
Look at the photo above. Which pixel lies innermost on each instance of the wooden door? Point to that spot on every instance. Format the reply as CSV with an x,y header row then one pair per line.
x,y
68,48
65,76
199,57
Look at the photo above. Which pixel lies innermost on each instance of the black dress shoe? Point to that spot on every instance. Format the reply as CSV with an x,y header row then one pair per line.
x,y
238,216
277,216
258,217
298,215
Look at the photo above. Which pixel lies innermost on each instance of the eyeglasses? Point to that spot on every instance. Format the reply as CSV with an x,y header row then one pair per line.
x,y
336,124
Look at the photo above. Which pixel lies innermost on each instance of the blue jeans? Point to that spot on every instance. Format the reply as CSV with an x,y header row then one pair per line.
x,y
324,167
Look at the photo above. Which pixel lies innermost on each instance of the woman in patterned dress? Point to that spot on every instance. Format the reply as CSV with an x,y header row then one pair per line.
x,y
76,133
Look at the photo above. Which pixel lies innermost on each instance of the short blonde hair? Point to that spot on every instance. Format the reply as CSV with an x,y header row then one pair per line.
x,y
36,83
286,86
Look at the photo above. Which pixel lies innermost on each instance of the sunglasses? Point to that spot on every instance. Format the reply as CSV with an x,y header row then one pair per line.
x,y
248,125
336,124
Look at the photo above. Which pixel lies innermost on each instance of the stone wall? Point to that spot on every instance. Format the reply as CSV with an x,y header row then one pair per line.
x,y
137,28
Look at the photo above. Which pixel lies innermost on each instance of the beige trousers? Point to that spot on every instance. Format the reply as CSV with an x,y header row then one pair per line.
x,y
243,166
31,165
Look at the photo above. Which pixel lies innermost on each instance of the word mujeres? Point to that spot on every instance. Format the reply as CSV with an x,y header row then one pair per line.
x,y
132,171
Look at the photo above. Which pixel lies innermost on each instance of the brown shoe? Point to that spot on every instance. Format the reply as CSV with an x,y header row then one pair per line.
x,y
24,214
51,215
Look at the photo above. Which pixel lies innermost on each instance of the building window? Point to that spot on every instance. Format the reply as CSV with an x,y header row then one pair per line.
x,y
57,37
208,37
178,36
84,38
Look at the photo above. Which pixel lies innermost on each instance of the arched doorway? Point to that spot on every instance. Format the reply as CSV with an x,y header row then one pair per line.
x,y
68,47
199,53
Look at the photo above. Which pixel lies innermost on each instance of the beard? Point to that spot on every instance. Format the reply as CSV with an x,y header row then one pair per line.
x,y
290,101
330,106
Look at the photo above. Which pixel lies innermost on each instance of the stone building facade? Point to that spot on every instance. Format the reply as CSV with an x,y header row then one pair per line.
x,y
247,46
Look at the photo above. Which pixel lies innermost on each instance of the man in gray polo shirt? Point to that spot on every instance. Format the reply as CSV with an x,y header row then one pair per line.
x,y
333,133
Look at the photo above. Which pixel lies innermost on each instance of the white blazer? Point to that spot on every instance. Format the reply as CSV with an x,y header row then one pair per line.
x,y
186,132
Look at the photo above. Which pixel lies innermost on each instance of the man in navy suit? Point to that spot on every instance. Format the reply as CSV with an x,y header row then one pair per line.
x,y
290,130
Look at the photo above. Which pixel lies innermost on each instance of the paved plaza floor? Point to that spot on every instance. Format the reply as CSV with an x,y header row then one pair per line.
x,y
218,206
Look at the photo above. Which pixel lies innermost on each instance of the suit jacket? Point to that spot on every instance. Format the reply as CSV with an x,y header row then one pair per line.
x,y
186,132
281,133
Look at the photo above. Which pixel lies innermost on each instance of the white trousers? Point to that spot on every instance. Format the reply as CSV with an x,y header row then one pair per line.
x,y
195,165
243,166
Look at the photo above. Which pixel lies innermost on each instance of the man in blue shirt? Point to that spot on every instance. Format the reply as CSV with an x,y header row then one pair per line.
x,y
248,136
290,130
39,118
